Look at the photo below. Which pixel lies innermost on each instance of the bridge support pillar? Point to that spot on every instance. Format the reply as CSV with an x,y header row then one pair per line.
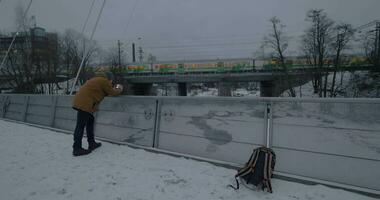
x,y
182,89
224,89
141,89
268,89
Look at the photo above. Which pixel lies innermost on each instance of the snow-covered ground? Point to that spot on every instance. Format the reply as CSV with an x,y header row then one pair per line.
x,y
37,164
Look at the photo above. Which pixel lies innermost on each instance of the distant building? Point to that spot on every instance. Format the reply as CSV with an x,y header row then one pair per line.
x,y
42,46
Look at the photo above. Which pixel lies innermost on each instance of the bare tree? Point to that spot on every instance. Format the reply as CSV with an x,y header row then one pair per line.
x,y
32,62
72,47
111,58
23,22
18,65
278,42
315,43
151,58
48,66
344,33
370,43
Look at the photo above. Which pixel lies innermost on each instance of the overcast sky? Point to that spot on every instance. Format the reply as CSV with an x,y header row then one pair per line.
x,y
202,28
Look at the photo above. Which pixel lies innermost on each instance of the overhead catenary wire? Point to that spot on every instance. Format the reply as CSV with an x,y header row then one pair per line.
x,y
202,57
88,17
204,48
369,24
174,44
208,43
15,35
219,38
130,17
84,52
82,32
206,54
201,45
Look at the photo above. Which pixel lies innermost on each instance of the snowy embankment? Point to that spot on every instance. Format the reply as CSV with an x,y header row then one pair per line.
x,y
37,164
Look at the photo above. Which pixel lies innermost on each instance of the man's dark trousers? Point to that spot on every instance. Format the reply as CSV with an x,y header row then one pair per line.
x,y
84,119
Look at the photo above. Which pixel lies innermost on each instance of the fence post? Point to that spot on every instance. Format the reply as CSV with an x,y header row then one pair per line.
x,y
53,110
25,110
157,121
266,118
2,104
269,125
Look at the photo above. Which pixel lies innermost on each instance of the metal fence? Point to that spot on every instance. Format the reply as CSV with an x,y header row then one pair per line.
x,y
334,140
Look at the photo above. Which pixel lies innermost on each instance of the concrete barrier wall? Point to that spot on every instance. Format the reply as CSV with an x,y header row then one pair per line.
x,y
212,128
39,110
64,115
14,107
336,140
342,139
127,120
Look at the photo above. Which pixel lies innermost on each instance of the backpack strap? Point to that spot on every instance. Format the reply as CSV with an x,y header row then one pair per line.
x,y
268,172
273,163
265,181
237,184
269,163
249,167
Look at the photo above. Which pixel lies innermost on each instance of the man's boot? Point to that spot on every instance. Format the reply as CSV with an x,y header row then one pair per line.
x,y
94,145
80,152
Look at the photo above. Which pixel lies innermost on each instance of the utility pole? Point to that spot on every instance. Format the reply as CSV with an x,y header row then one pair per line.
x,y
141,54
376,53
140,50
377,44
118,45
133,53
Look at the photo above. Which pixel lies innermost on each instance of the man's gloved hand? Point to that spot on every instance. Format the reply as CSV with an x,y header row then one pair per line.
x,y
119,87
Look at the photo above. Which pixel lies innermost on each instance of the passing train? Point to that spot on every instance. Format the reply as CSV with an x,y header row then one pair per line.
x,y
201,66
227,66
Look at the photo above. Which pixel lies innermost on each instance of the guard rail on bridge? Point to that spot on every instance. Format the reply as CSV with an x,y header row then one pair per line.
x,y
331,140
235,76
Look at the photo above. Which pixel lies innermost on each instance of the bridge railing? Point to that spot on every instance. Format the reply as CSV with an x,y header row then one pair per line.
x,y
333,140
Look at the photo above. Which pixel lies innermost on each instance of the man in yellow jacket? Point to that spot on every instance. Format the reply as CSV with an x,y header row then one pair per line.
x,y
86,102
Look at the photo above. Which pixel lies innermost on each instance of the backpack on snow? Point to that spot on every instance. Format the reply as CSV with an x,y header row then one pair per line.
x,y
259,169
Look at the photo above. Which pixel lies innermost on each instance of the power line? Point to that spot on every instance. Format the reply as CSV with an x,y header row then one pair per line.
x,y
130,17
84,55
83,29
369,24
184,51
82,33
209,38
210,42
189,45
88,16
200,57
170,57
203,48
14,37
205,52
200,45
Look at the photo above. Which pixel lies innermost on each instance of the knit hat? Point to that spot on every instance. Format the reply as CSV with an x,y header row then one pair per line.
x,y
110,76
106,74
